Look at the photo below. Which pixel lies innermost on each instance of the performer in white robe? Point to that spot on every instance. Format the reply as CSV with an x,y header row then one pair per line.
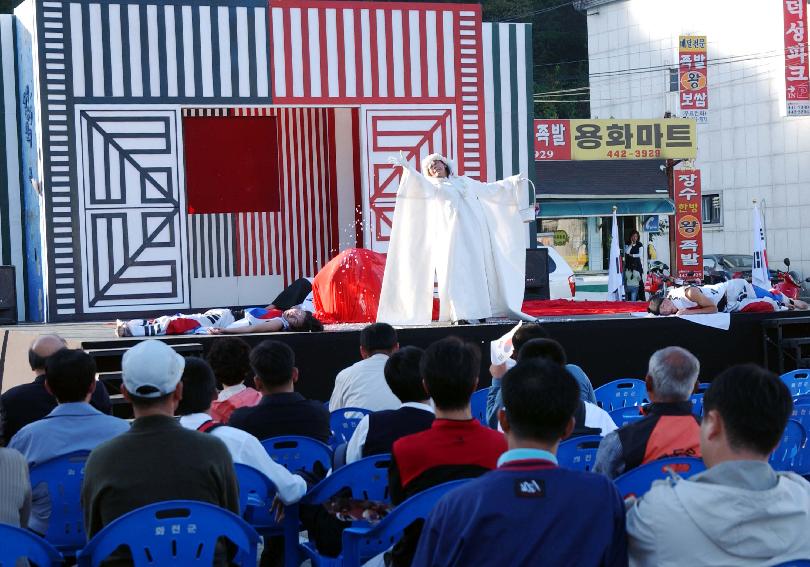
x,y
469,235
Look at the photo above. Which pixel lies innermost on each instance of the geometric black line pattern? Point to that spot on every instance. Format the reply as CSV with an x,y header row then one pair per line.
x,y
132,220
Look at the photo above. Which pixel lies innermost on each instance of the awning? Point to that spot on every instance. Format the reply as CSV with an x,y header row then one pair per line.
x,y
563,208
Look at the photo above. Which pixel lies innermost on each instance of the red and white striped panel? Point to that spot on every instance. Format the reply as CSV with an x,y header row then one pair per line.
x,y
471,135
299,239
344,51
417,132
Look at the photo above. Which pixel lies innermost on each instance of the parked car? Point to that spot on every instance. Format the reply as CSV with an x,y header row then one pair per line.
x,y
721,267
561,281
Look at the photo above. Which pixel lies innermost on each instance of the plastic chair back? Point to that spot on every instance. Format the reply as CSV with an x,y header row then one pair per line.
x,y
18,543
639,480
795,563
621,393
343,422
578,453
478,401
295,452
697,404
366,479
798,381
703,386
786,455
623,416
360,544
175,532
256,494
63,477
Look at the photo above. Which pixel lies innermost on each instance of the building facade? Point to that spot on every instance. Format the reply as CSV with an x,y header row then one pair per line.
x,y
749,149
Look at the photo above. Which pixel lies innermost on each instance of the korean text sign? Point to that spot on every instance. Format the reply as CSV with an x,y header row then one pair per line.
x,y
672,138
797,77
693,89
688,225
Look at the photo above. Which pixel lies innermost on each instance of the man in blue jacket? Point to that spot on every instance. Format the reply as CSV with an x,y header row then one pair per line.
x,y
529,511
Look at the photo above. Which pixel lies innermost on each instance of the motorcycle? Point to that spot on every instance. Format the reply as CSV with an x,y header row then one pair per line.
x,y
787,282
657,277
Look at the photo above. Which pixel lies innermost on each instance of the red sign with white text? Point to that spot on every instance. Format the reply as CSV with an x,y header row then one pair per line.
x,y
693,77
552,140
688,225
797,78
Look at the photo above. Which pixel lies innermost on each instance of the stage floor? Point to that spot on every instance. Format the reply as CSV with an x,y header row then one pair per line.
x,y
605,346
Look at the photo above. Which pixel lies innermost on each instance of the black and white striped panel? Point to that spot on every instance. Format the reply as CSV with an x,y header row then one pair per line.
x,y
169,51
57,162
211,245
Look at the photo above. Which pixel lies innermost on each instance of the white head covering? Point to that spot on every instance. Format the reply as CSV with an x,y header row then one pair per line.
x,y
451,166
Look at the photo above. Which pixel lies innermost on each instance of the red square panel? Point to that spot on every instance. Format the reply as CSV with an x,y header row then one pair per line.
x,y
231,164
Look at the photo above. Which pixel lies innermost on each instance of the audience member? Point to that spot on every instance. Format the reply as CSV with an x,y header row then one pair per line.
x,y
739,511
157,459
228,358
29,402
199,389
524,334
376,432
362,385
73,425
668,429
529,511
456,446
589,419
282,410
15,489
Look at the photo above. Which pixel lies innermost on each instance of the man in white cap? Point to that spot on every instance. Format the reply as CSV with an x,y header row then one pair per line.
x,y
157,459
467,235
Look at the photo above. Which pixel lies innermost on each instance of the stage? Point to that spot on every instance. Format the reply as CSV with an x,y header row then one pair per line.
x,y
605,346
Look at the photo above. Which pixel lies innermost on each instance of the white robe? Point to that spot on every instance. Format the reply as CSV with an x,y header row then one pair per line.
x,y
470,235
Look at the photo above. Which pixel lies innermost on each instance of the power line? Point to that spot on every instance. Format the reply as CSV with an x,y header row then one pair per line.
x,y
536,12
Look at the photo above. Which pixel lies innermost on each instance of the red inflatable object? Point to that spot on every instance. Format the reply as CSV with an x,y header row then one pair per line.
x,y
347,289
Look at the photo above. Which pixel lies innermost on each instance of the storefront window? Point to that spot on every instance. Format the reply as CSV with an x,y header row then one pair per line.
x,y
569,237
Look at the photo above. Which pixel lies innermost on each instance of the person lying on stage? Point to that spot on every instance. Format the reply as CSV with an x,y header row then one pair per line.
x,y
726,297
221,321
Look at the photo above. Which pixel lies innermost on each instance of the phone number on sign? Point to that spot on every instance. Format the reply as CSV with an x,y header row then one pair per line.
x,y
634,153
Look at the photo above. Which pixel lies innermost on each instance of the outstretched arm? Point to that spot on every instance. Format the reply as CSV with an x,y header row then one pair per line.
x,y
704,304
269,326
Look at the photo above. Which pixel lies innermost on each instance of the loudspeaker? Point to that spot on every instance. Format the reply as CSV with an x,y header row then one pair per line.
x,y
537,286
8,296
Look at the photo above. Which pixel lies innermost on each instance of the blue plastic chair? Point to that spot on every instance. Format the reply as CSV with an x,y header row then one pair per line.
x,y
578,453
798,381
795,563
256,494
697,404
175,532
18,543
295,452
478,402
703,386
367,479
63,477
639,480
343,422
621,393
623,416
361,544
786,455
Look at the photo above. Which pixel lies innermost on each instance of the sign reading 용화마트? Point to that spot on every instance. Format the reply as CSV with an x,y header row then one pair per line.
x,y
670,138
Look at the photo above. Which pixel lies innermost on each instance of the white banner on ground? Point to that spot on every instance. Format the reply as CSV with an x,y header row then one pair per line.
x,y
615,286
759,268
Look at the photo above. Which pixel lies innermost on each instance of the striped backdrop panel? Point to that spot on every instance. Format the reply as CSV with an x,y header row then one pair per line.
x,y
11,233
169,51
299,239
509,114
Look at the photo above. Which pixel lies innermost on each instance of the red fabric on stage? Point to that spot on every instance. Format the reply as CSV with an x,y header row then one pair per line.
x,y
347,289
758,307
181,326
537,307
